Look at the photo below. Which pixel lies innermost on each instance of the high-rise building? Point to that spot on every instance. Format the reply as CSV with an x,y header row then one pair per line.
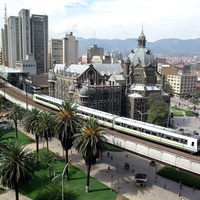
x,y
94,51
39,42
55,52
70,49
63,51
13,42
183,84
24,33
4,40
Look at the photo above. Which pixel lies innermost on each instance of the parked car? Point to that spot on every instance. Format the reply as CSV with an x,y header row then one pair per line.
x,y
6,126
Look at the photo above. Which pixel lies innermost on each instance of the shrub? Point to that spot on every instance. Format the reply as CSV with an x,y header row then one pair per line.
x,y
175,175
52,192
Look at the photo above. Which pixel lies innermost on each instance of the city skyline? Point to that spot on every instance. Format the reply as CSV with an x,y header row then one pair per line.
x,y
114,19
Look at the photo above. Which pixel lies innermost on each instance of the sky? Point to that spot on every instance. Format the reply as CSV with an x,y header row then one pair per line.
x,y
113,19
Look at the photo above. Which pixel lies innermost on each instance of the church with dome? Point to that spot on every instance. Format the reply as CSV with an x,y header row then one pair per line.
x,y
121,89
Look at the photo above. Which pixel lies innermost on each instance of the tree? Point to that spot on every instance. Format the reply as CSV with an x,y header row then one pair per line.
x,y
15,114
198,94
17,167
168,88
158,110
45,126
30,125
194,102
4,139
90,142
67,124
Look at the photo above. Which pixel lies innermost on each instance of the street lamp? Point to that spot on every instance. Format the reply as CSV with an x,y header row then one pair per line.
x,y
141,114
63,173
4,88
26,97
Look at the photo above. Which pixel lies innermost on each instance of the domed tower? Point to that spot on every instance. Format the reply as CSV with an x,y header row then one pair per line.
x,y
140,70
143,68
84,95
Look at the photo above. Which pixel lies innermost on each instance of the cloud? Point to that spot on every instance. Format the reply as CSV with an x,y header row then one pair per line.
x,y
111,19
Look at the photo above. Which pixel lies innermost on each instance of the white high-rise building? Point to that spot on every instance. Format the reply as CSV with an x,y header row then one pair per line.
x,y
24,34
13,42
70,49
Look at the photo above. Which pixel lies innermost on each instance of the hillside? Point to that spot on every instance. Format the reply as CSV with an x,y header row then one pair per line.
x,y
167,47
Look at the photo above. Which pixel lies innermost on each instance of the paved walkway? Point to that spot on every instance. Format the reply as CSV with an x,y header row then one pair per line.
x,y
154,189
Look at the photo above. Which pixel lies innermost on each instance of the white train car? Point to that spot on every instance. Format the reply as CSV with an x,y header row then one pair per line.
x,y
162,135
105,119
47,101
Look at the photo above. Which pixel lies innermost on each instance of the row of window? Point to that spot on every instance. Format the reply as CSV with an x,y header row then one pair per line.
x,y
155,134
29,65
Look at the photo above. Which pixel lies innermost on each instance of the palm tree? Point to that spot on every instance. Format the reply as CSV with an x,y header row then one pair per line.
x,y
3,139
15,114
90,143
45,126
30,125
67,123
17,167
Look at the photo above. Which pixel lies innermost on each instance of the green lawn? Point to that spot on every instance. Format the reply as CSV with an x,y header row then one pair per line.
x,y
22,138
189,113
75,187
176,111
110,147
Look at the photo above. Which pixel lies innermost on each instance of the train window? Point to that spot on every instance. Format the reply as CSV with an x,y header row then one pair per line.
x,y
148,132
192,143
175,139
160,134
153,133
185,141
167,137
117,123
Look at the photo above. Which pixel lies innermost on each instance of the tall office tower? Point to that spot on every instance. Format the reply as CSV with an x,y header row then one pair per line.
x,y
24,33
39,42
4,40
55,51
94,51
70,49
13,42
4,46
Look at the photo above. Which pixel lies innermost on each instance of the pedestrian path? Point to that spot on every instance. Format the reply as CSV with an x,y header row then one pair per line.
x,y
119,177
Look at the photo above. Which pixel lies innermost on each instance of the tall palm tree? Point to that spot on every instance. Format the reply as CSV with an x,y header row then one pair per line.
x,y
30,125
67,124
15,114
45,126
90,143
16,167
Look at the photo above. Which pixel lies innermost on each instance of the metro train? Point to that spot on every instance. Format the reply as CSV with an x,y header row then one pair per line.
x,y
166,136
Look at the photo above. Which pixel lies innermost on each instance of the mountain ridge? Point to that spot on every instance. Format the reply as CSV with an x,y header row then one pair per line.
x,y
164,47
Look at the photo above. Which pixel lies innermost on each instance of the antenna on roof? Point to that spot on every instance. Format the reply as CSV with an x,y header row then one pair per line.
x,y
5,15
94,37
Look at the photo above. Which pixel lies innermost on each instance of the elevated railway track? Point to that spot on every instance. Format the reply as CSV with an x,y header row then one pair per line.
x,y
151,150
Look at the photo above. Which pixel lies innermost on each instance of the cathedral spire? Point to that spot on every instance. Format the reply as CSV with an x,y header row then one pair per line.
x,y
141,40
